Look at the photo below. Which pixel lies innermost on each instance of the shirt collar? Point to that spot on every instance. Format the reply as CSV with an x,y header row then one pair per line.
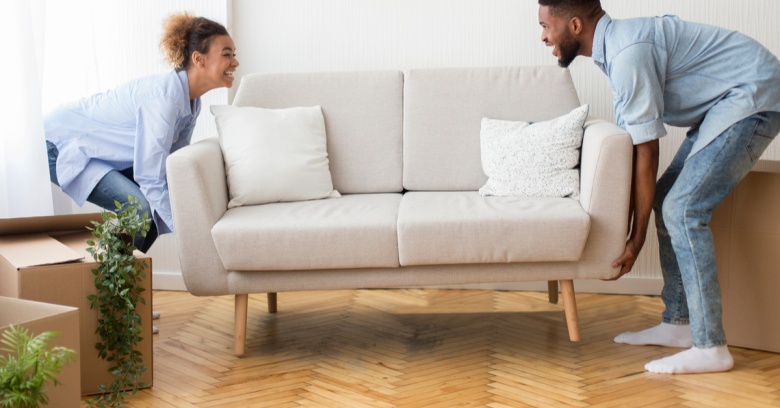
x,y
598,39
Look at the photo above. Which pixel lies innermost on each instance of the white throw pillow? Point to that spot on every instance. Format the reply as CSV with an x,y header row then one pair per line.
x,y
533,159
274,155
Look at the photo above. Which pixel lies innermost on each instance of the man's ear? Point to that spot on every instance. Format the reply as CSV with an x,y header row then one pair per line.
x,y
575,25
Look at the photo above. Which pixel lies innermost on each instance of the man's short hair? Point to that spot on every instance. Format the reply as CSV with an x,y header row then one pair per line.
x,y
585,9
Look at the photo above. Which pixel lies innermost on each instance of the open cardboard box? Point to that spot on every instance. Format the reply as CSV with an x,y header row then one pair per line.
x,y
37,318
45,259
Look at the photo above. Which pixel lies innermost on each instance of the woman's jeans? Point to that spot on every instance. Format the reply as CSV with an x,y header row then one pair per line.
x,y
114,186
686,196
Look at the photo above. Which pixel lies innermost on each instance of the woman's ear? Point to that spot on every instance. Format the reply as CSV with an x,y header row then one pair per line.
x,y
197,59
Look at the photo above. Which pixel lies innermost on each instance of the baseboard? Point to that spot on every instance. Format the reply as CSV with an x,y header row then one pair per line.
x,y
173,280
168,280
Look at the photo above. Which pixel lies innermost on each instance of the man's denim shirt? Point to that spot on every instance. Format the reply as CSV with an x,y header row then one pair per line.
x,y
665,70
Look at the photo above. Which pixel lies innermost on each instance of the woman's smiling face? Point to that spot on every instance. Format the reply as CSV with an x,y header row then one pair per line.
x,y
220,62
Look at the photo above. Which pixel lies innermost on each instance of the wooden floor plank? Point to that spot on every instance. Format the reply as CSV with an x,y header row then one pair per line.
x,y
429,347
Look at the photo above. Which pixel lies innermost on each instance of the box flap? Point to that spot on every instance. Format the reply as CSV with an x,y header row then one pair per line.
x,y
16,311
77,242
54,223
23,251
37,317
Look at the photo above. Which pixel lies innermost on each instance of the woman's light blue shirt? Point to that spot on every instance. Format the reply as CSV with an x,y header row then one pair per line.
x,y
139,124
666,70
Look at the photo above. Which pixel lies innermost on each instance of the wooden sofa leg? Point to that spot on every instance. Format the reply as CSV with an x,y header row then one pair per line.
x,y
271,302
552,291
242,304
570,309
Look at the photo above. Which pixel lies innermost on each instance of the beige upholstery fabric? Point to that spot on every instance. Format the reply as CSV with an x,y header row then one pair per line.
x,y
353,231
445,233
322,279
363,121
199,198
443,109
605,186
464,227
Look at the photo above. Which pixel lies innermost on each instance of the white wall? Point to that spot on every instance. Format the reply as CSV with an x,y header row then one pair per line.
x,y
339,35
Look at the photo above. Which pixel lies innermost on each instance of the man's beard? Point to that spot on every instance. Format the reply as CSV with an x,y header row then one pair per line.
x,y
567,50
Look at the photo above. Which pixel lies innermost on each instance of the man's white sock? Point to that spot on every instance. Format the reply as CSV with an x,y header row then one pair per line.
x,y
665,334
694,360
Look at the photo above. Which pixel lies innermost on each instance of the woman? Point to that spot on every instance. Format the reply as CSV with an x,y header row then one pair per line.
x,y
114,144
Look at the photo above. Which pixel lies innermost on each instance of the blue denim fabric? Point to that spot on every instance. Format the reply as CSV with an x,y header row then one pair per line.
x,y
114,186
664,70
686,196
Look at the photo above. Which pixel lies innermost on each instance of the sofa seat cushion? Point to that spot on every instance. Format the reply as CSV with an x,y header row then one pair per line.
x,y
464,227
354,231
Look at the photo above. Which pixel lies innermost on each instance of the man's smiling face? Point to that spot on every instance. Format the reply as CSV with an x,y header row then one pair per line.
x,y
556,33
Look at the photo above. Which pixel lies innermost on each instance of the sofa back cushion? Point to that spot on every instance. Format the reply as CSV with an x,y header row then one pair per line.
x,y
443,109
363,121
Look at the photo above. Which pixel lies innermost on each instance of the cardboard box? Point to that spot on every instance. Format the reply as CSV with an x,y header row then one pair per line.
x,y
746,230
37,318
45,259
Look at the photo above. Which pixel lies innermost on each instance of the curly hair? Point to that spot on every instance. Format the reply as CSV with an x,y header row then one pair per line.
x,y
586,9
183,34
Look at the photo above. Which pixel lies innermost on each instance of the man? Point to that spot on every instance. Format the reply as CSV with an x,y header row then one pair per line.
x,y
725,86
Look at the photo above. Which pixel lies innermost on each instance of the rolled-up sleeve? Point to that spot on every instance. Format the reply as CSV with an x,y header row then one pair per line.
x,y
637,78
154,138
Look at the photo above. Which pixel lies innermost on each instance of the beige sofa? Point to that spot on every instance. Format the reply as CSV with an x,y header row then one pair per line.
x,y
404,153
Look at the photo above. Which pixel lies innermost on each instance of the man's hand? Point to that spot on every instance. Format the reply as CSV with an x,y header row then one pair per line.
x,y
642,196
626,261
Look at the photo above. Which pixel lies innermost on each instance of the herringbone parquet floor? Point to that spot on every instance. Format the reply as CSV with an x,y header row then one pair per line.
x,y
429,348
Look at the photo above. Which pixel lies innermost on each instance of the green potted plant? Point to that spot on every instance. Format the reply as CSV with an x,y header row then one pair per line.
x,y
117,277
29,365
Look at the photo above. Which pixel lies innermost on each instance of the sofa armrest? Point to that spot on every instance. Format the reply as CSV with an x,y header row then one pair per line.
x,y
199,197
605,189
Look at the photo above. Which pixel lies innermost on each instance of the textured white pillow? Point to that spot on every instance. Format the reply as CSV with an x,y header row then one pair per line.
x,y
274,155
533,160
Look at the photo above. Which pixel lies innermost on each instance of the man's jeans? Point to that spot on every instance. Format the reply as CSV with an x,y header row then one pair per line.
x,y
114,186
686,196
